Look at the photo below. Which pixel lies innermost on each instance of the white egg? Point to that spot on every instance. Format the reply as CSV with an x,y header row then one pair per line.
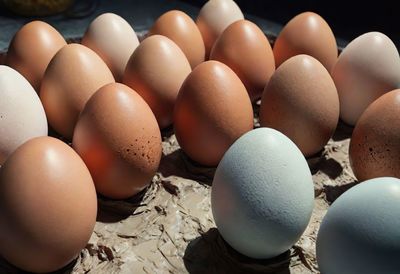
x,y
113,39
22,116
360,233
367,68
262,194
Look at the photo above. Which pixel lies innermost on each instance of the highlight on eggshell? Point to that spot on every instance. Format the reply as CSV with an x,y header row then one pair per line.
x,y
360,232
246,50
113,39
262,194
367,68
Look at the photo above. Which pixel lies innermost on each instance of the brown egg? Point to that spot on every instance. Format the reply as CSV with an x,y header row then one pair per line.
x,y
48,205
307,33
213,109
73,75
31,50
374,147
156,70
214,17
118,138
301,101
180,28
246,50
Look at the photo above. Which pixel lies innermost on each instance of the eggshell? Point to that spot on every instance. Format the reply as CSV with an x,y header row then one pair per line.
x,y
374,146
48,205
180,28
213,109
22,116
73,75
301,101
156,70
246,50
31,50
307,33
262,195
214,17
360,233
113,39
118,138
367,68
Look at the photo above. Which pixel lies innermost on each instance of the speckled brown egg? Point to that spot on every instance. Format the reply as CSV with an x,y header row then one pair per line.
x,y
246,50
307,33
31,50
375,145
73,75
48,205
214,17
118,138
213,109
156,70
180,28
301,101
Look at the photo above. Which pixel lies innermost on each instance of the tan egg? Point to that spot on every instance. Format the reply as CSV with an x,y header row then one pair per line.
x,y
212,111
118,138
31,50
180,28
156,70
367,68
307,33
374,147
301,101
48,205
246,50
73,75
214,17
113,39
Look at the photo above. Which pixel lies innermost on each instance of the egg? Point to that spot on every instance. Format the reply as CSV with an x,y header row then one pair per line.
x,y
374,146
31,50
48,205
213,109
22,116
72,77
360,233
156,70
113,39
262,194
246,50
181,29
214,17
307,33
118,138
368,67
301,101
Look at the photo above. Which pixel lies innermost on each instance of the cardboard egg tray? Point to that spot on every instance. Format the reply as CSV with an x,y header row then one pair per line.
x,y
169,227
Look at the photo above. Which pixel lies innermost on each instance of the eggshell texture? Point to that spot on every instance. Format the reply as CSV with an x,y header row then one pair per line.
x,y
73,75
246,50
214,17
360,233
374,146
301,101
156,70
31,50
367,68
262,195
180,28
118,138
307,33
113,39
48,205
22,116
213,109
